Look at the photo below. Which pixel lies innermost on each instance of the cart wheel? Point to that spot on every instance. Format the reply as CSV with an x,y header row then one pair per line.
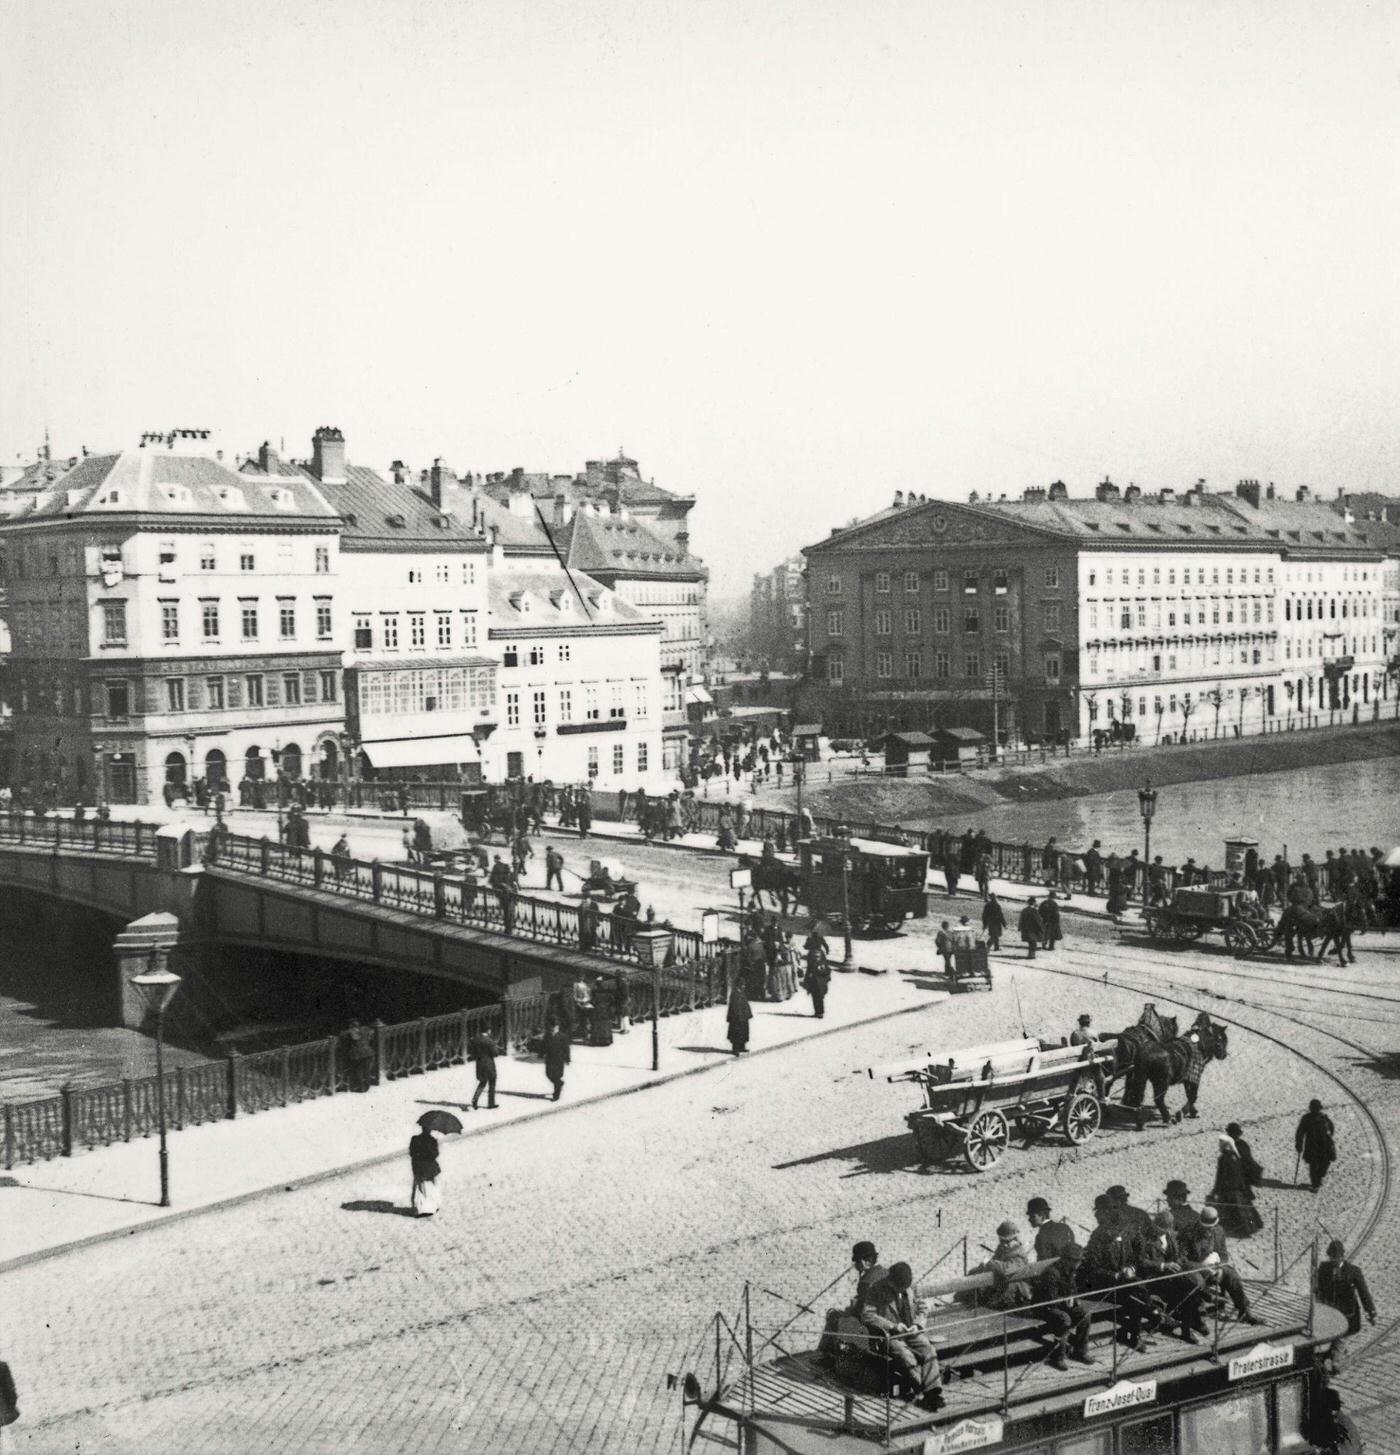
x,y
986,1140
1157,927
1190,931
1081,1116
1238,941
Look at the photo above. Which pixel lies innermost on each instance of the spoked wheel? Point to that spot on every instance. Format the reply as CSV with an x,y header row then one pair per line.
x,y
1240,941
1186,930
1158,927
1081,1116
987,1139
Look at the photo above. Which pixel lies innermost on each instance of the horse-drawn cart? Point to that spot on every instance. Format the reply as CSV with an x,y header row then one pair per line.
x,y
1192,913
974,1099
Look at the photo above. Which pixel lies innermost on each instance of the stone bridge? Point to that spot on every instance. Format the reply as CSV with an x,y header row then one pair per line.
x,y
178,893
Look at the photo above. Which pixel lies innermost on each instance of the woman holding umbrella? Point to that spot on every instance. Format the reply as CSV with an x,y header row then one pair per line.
x,y
423,1157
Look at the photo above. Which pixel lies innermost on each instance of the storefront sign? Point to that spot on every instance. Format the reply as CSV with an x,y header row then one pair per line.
x,y
1124,1395
966,1435
1260,1360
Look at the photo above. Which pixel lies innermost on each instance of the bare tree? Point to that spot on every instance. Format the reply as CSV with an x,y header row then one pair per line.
x,y
1188,706
1216,698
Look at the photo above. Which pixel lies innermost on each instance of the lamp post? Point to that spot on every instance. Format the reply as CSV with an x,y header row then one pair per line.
x,y
1147,806
846,905
158,986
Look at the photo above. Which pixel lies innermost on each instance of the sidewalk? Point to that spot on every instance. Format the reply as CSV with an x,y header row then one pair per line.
x,y
52,1207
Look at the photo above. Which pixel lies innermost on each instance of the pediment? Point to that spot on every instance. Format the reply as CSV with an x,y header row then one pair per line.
x,y
934,523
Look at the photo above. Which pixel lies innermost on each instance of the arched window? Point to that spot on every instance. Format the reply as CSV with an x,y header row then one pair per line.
x,y
330,761
253,765
291,761
216,770
175,768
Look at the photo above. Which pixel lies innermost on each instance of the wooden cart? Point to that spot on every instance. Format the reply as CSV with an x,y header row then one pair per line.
x,y
970,964
973,1099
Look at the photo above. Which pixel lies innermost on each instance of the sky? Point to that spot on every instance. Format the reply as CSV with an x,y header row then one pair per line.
x,y
790,256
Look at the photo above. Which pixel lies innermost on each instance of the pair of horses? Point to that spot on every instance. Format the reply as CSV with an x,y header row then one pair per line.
x,y
1156,1052
1313,932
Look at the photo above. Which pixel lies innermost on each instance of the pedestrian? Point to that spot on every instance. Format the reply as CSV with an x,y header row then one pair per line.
x,y
587,922
993,921
1050,920
503,882
1231,1194
982,872
1342,1286
557,1054
951,870
340,857
600,1027
483,1052
1316,1143
1031,927
943,943
583,812
9,1397
738,1016
554,868
818,976
360,1047
1093,866
423,1158
1253,1172
787,967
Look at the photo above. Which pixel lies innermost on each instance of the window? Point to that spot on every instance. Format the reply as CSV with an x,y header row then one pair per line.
x,y
835,670
248,612
364,633
940,580
835,623
616,708
323,617
209,620
1093,577
1052,617
323,560
1142,613
593,762
972,665
512,709
566,705
565,651
941,666
1001,664
175,694
417,630
537,702
1156,661
911,622
833,586
415,576
536,656
170,621
882,581
468,620
1052,669
1001,618
443,620
246,559
590,702
329,687
468,573
913,664
1238,1423
214,692
619,760
969,583
942,619
208,559
389,630
911,581
1052,577
882,623
118,699
972,620
1156,575
1142,577
1000,583
253,689
114,622
166,570
640,706
642,758
884,664
286,617
291,689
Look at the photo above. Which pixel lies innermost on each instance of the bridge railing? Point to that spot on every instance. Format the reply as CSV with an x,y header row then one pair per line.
x,y
101,836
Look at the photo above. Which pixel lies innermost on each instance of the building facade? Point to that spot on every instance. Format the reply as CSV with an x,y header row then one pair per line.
x,y
170,619
777,627
1049,618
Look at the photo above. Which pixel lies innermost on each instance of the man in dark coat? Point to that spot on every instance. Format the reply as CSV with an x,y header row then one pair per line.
x,y
993,921
624,917
1136,1222
1066,1319
1184,1216
1342,1286
1093,867
1315,1141
583,812
587,922
866,1261
818,976
1181,1291
943,943
1207,1249
600,1029
1050,920
1031,927
483,1052
359,1045
557,1054
503,882
888,1312
1110,1263
951,870
9,1396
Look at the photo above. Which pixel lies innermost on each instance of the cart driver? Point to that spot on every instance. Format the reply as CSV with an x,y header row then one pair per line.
x,y
964,934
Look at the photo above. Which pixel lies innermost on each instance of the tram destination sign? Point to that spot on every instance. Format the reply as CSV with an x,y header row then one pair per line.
x,y
1124,1395
1261,1359
965,1435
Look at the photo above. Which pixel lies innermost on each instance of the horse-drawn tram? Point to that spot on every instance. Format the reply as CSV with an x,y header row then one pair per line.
x,y
975,1099
880,885
1249,1390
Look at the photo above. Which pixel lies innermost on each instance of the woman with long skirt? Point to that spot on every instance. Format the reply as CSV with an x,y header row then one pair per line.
x,y
1232,1194
423,1155
739,1015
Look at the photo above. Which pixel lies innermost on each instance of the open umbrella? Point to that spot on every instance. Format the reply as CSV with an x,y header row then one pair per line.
x,y
1392,859
439,1121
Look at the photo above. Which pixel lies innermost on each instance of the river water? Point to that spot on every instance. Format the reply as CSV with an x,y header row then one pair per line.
x,y
1308,809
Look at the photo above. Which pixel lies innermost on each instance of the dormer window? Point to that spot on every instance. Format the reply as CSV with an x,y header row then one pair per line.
x,y
110,497
397,521
281,497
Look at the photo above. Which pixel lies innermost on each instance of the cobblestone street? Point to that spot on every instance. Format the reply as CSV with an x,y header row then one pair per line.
x,y
579,1260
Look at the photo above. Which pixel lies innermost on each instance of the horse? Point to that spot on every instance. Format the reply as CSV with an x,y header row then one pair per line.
x,y
781,881
1298,927
1334,925
1173,1060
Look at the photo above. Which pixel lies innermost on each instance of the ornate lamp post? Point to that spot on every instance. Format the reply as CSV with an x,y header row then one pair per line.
x,y
158,986
1147,806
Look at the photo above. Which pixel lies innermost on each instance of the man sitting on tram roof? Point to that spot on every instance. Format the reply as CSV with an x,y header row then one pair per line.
x,y
1206,1249
1066,1320
866,1261
890,1314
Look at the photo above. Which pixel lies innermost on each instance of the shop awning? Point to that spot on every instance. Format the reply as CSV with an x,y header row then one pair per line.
x,y
696,693
422,752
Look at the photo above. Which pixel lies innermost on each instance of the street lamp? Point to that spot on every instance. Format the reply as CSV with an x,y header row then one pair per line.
x,y
1147,806
158,986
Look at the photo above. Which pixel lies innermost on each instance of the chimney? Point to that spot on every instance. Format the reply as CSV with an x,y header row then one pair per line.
x,y
439,476
1304,493
1059,490
563,510
1168,495
1248,491
898,498
498,554
1106,490
268,459
1034,493
328,455
1132,493
400,472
